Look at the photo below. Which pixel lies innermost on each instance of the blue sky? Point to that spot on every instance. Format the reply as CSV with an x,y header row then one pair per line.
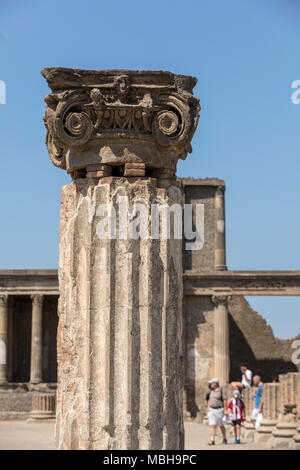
x,y
245,55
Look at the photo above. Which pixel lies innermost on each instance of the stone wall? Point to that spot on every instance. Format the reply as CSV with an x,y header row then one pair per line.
x,y
202,191
199,334
252,341
16,399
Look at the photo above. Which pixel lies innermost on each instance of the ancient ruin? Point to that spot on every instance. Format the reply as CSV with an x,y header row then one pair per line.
x,y
120,357
138,319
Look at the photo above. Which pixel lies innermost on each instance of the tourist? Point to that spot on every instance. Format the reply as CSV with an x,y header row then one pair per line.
x,y
246,381
216,409
237,414
256,415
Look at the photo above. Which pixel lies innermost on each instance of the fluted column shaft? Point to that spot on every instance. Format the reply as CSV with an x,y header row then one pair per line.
x,y
221,339
3,337
120,363
36,339
119,134
296,439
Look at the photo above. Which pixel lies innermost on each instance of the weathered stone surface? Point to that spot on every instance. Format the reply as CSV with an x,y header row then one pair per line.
x,y
119,116
221,339
120,362
199,336
271,406
295,443
120,358
282,435
203,191
36,339
248,430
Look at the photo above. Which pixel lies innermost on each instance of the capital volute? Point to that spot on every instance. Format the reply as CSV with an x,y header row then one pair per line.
x,y
112,117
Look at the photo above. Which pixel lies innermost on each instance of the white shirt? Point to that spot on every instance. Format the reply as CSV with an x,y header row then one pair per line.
x,y
248,375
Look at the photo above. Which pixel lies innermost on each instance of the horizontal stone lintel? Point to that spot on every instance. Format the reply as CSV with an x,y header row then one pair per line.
x,y
29,291
45,282
242,283
241,292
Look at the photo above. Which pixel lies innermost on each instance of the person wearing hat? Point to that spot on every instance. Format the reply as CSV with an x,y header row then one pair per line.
x,y
216,409
237,414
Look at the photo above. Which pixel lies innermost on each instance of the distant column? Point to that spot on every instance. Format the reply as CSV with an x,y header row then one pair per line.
x,y
220,245
36,339
221,339
295,444
284,431
270,412
10,342
3,338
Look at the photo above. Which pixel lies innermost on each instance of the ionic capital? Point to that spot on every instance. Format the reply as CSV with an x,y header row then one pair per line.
x,y
113,117
220,299
37,299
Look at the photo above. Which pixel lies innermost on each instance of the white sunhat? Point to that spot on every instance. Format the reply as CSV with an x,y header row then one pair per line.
x,y
215,379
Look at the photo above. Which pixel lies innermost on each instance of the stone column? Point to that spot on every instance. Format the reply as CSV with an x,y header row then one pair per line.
x,y
295,443
10,359
221,339
3,337
220,242
271,405
120,363
248,430
282,435
36,339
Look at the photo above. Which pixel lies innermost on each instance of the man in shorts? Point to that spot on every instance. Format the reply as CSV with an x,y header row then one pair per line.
x,y
216,409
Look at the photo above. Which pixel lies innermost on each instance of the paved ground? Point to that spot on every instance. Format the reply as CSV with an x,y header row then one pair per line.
x,y
20,435
197,437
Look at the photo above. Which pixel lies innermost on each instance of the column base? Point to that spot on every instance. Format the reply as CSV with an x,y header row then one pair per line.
x,y
295,443
282,436
264,432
